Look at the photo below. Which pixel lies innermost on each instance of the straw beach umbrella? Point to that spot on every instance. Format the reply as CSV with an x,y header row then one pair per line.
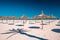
x,y
42,16
24,18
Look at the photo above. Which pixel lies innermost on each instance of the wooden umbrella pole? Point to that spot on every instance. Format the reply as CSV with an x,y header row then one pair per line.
x,y
42,24
49,21
23,23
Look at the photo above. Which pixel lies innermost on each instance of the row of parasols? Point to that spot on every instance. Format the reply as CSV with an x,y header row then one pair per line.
x,y
30,22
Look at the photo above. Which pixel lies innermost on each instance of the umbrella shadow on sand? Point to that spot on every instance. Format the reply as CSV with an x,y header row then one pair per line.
x,y
21,31
56,30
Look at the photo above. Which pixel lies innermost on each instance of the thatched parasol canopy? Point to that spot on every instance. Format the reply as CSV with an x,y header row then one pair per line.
x,y
24,17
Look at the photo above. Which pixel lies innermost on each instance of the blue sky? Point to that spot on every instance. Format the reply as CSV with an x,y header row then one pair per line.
x,y
29,8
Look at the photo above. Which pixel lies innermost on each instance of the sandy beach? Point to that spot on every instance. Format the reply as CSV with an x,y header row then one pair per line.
x,y
45,33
